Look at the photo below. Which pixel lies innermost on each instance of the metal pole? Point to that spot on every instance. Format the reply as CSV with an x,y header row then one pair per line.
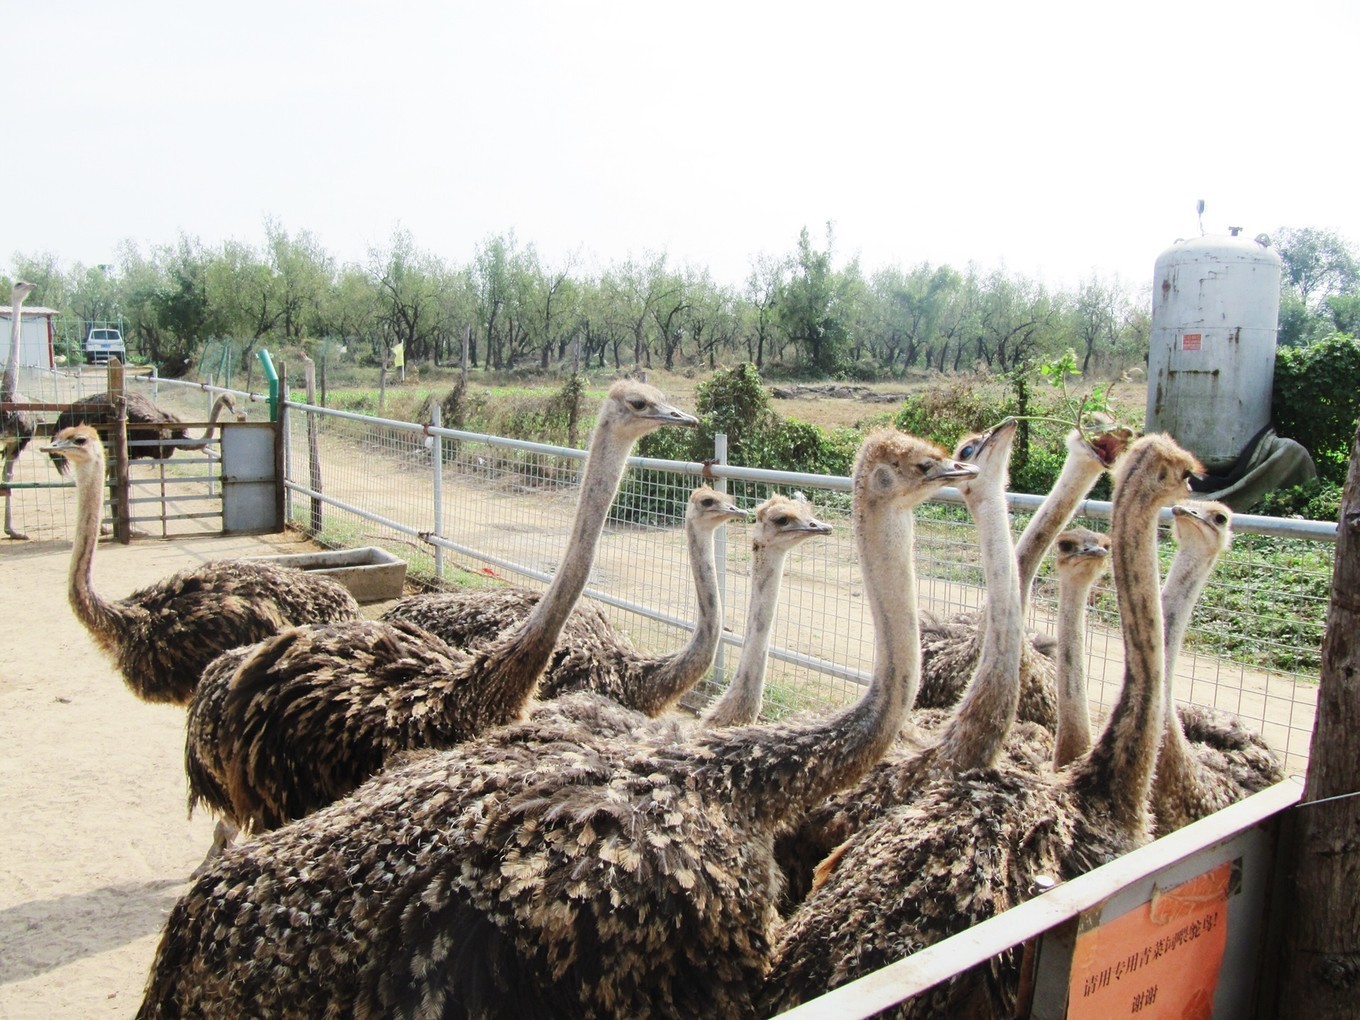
x,y
720,552
268,364
437,452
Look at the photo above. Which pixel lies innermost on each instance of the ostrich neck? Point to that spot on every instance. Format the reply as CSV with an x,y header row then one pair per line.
x,y
1073,737
774,772
1180,592
740,703
976,732
1118,770
202,441
1079,473
509,669
10,386
95,613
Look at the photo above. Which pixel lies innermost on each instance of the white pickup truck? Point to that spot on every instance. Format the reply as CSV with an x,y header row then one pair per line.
x,y
102,344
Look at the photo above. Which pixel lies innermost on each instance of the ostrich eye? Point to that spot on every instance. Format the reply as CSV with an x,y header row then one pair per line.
x,y
967,452
708,502
637,403
782,521
1067,546
1220,519
925,466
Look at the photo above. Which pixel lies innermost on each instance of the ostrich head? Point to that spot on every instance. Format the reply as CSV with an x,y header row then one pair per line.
x,y
782,523
229,402
20,291
710,509
634,409
1161,468
990,453
893,466
1206,526
1106,445
80,446
1083,553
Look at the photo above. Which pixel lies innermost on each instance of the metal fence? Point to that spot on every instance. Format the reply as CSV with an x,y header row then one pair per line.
x,y
467,508
165,497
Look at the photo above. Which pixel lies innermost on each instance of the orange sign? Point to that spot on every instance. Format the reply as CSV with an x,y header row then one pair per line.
x,y
1190,342
1159,960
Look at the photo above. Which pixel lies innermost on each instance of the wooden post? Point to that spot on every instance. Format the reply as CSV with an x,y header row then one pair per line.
x,y
1319,969
122,505
313,447
463,363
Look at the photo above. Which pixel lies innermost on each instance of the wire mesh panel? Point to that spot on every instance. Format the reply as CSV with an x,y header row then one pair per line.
x,y
506,509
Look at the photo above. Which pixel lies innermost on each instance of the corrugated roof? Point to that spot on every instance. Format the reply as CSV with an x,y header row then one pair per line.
x,y
34,311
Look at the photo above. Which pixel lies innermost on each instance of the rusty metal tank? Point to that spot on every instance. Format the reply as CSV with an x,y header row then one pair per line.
x,y
1211,360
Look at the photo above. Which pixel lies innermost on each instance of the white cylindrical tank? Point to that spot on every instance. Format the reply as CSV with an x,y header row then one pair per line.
x,y
1211,360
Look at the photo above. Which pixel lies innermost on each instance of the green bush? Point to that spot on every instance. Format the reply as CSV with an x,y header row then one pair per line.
x,y
1316,400
1315,501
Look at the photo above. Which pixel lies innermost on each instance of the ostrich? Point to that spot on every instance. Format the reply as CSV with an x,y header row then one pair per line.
x,y
1208,760
16,427
781,523
590,654
541,870
1083,556
162,636
949,649
145,421
975,843
309,714
980,727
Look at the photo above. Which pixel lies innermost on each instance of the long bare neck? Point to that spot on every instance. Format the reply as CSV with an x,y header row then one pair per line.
x,y
1180,593
10,387
775,771
511,667
974,736
668,678
1080,471
1117,771
201,443
740,703
1073,737
97,614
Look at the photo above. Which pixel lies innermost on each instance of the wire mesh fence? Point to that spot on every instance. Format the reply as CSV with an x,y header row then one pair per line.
x,y
468,509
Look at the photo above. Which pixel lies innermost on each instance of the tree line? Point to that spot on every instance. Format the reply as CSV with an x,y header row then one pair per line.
x,y
795,314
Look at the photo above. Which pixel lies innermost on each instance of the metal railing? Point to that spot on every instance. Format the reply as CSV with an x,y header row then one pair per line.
x,y
463,507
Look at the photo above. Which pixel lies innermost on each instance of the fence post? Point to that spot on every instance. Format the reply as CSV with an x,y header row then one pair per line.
x,y
437,452
720,552
122,503
313,447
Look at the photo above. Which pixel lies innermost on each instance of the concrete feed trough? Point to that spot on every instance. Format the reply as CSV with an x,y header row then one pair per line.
x,y
371,574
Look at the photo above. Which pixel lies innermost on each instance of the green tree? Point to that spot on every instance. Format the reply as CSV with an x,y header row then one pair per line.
x,y
812,310
1317,264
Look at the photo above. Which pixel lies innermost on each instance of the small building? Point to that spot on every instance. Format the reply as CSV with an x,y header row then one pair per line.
x,y
37,333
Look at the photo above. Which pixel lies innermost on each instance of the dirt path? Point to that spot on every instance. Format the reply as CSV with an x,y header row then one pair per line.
x,y
94,843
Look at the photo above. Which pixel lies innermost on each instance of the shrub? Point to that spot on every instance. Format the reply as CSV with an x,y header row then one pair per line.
x,y
1316,400
1314,501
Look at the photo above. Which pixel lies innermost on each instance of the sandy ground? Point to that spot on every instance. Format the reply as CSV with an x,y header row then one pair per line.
x,y
95,844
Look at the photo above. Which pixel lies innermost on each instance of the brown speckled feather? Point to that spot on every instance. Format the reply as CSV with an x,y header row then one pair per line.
x,y
543,869
309,715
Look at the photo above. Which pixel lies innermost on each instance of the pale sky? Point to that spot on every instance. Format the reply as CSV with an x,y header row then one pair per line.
x,y
1055,140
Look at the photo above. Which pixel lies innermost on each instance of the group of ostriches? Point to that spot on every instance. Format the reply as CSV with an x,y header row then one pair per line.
x,y
482,805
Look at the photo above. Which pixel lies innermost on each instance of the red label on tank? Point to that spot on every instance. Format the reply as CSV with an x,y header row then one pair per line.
x,y
1190,342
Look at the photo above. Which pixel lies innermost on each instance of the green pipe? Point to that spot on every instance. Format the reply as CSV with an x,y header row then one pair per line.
x,y
273,378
